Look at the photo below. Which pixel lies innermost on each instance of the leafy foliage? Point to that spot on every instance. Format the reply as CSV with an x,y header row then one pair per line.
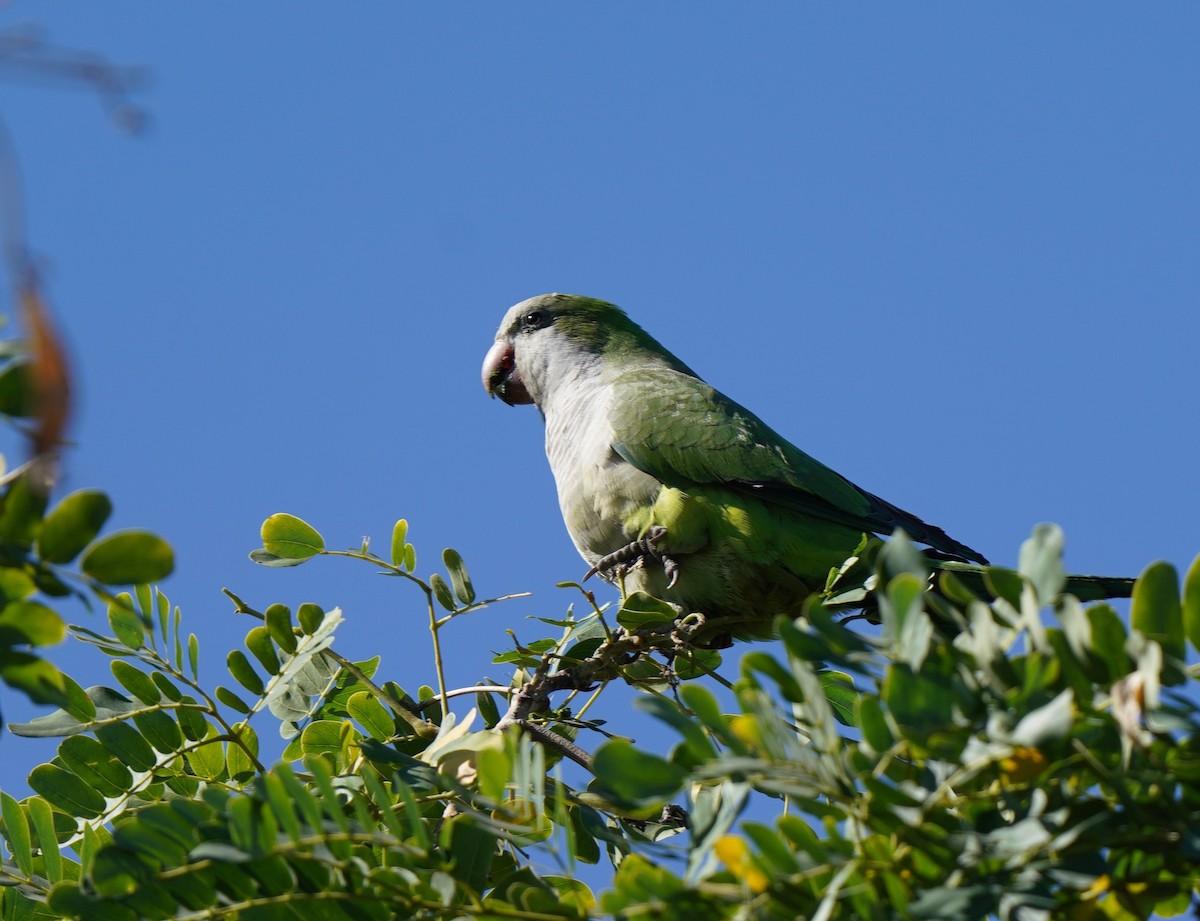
x,y
1020,756
40,544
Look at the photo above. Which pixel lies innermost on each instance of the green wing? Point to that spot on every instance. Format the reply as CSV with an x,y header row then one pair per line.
x,y
683,432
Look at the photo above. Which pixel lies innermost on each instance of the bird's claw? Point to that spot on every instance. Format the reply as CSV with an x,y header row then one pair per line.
x,y
636,550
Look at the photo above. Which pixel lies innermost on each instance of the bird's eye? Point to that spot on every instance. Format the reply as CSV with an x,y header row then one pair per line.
x,y
535,319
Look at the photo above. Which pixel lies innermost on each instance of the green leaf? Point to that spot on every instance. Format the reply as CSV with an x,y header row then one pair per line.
x,y
873,723
127,557
231,700
208,759
371,715
290,538
1155,609
42,817
634,779
127,745
168,687
1004,583
135,681
126,623
1191,603
16,390
841,694
66,791
441,591
263,558
15,584
238,760
159,730
36,678
311,617
193,649
21,513
322,737
458,575
258,641
30,622
399,536
91,761
697,742
918,700
16,829
1108,640
192,721
282,805
72,525
472,849
243,672
640,610
278,618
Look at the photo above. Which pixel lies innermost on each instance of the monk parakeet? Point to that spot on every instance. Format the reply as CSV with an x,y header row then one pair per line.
x,y
669,484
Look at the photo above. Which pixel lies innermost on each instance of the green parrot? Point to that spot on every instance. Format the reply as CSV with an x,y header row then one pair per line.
x,y
672,487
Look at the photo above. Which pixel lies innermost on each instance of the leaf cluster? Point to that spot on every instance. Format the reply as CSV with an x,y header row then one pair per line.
x,y
1007,753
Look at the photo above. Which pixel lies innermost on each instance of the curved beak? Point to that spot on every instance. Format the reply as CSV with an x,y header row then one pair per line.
x,y
501,377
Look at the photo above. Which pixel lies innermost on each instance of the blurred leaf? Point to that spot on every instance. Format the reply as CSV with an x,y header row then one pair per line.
x,y
1040,561
30,622
472,848
38,679
1004,583
16,390
1191,603
127,557
1047,724
21,513
290,538
842,696
72,525
918,701
873,724
634,779
1108,640
1155,609
15,584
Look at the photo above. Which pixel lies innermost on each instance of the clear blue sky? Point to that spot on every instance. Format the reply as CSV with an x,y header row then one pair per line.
x,y
949,249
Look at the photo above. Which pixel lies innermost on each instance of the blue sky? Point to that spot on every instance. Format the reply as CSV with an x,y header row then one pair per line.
x,y
950,250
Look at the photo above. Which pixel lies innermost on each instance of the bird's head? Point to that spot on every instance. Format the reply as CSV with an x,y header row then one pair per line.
x,y
551,339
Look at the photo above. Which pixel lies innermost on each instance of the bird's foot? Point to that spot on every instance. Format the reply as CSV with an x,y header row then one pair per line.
x,y
638,550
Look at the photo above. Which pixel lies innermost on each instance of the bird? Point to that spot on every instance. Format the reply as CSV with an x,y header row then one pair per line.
x,y
671,488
